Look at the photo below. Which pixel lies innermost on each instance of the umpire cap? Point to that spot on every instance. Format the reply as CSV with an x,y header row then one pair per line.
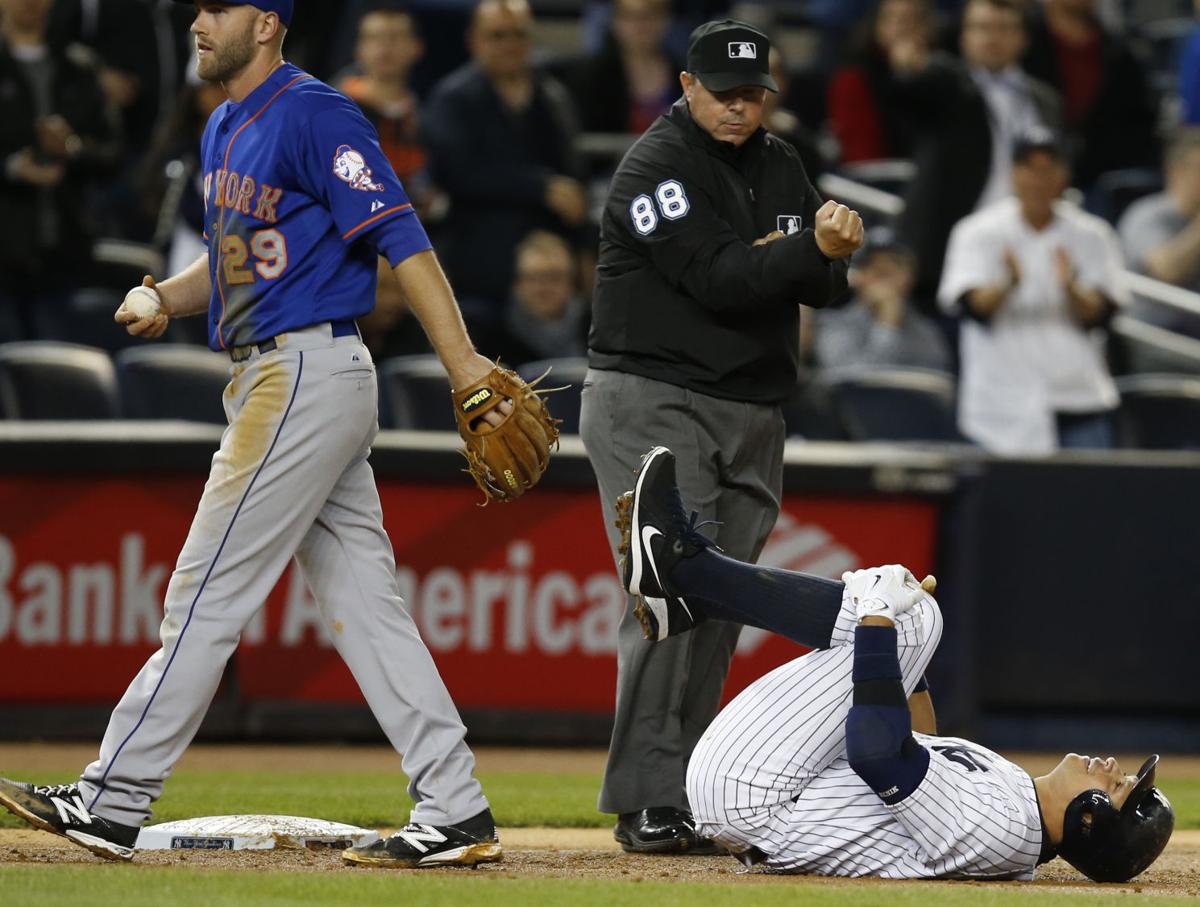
x,y
728,54
281,8
1111,845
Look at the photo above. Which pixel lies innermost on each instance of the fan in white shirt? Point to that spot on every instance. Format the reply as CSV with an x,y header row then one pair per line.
x,y
1035,277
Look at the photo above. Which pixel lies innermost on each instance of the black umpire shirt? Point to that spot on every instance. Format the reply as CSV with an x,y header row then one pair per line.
x,y
681,294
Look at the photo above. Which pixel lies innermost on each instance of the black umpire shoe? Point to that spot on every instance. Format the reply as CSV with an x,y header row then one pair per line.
x,y
661,829
414,846
655,535
60,810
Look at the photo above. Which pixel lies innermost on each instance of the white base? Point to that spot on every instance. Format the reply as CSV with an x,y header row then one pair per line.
x,y
252,833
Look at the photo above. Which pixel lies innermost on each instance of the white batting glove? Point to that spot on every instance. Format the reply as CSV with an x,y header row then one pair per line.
x,y
886,591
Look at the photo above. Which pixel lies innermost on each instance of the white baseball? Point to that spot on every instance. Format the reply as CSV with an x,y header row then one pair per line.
x,y
142,302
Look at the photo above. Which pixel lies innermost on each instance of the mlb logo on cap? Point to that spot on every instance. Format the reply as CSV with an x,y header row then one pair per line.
x,y
726,54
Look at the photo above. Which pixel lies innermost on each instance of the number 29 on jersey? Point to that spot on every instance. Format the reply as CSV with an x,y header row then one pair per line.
x,y
268,248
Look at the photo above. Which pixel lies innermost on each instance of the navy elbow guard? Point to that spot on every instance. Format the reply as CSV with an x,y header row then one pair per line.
x,y
879,742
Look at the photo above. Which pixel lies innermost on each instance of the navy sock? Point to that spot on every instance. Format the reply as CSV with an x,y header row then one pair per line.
x,y
801,607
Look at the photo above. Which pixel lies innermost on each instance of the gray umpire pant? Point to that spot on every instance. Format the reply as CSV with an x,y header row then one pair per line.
x,y
729,466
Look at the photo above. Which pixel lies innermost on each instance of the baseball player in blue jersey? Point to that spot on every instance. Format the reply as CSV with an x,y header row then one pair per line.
x,y
819,766
300,202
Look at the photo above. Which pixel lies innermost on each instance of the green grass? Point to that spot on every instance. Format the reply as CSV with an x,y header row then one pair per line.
x,y
374,799
369,799
1184,794
35,886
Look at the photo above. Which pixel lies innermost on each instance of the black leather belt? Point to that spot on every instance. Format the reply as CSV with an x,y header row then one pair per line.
x,y
242,353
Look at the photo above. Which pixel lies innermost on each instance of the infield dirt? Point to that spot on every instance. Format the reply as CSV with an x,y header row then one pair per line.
x,y
575,853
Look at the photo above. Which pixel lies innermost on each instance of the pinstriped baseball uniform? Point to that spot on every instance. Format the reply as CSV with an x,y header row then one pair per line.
x,y
771,773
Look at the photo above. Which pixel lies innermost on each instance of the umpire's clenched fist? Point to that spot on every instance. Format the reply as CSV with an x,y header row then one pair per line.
x,y
839,231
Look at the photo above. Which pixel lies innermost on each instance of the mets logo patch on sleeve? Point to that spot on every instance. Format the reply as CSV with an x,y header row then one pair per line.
x,y
351,168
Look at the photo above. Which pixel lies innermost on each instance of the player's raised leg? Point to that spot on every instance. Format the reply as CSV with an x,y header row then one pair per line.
x,y
348,563
680,579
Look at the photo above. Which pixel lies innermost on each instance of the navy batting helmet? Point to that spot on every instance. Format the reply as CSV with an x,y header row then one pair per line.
x,y
1111,845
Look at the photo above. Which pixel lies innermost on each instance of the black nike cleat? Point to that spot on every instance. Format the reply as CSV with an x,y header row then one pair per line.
x,y
415,846
60,810
655,536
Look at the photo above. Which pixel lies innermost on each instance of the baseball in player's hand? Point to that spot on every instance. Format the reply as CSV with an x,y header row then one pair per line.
x,y
838,229
143,312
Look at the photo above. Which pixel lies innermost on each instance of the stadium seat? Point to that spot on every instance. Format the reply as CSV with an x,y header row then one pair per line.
x,y
1160,412
49,380
1116,190
86,318
172,381
897,404
415,393
810,412
567,373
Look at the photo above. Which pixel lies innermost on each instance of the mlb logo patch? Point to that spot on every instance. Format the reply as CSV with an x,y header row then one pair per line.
x,y
743,50
788,224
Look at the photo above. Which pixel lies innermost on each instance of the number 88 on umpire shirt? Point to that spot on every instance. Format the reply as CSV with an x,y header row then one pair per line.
x,y
293,179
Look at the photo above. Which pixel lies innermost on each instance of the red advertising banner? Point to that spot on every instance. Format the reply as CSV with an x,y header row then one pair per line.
x,y
519,605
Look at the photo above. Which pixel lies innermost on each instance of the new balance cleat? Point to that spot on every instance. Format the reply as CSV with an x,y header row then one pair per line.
x,y
417,846
655,535
60,810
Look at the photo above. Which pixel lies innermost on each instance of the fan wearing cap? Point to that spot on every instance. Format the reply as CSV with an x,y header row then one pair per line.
x,y
712,237
1035,279
879,327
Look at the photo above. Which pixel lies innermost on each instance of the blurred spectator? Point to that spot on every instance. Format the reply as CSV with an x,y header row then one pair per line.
x,y
630,81
391,329
389,45
1160,233
58,135
964,115
865,124
878,327
138,73
1189,74
1108,104
172,181
501,139
787,125
140,63
992,42
1032,277
546,317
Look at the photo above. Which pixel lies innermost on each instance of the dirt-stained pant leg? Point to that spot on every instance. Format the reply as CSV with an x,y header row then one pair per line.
x,y
299,417
669,691
349,565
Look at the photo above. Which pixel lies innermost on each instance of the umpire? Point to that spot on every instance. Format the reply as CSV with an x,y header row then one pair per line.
x,y
711,237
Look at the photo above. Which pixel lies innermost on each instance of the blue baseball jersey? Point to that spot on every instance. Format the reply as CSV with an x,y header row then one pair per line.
x,y
296,191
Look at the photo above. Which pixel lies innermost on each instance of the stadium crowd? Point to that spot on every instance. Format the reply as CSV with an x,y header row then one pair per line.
x,y
1032,150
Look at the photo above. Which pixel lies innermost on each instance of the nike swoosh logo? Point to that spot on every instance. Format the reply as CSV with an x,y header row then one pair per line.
x,y
649,532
